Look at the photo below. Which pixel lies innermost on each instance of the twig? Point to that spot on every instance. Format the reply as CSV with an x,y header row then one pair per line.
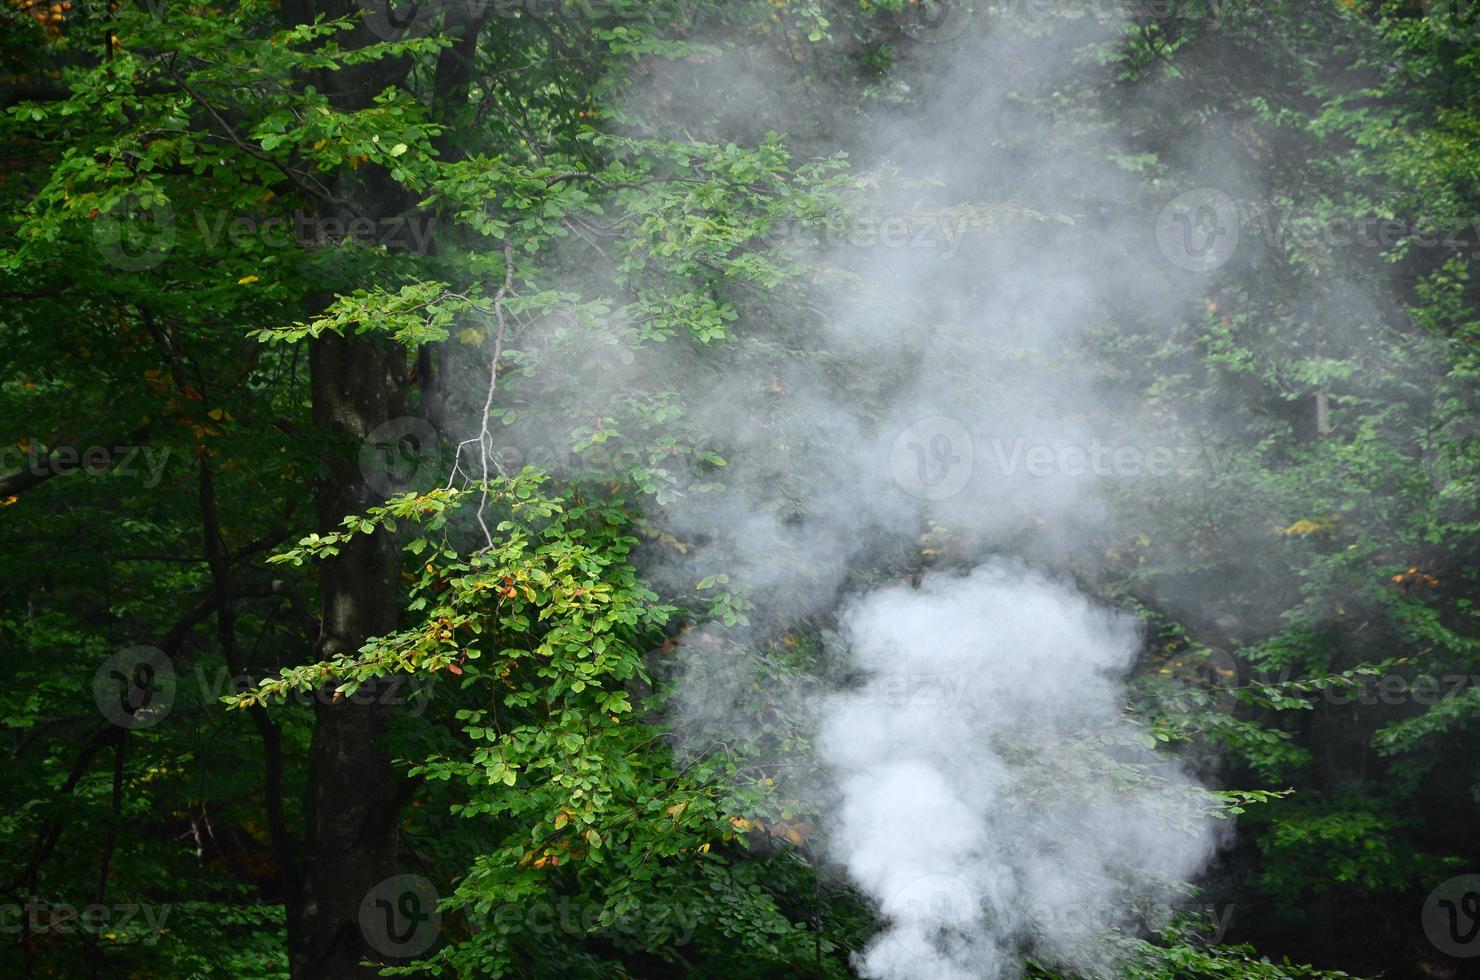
x,y
485,438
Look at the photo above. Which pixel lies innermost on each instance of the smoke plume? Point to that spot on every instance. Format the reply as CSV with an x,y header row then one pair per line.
x,y
978,802
977,776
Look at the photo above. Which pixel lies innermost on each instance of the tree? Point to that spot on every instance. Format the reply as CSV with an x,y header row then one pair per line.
x,y
310,311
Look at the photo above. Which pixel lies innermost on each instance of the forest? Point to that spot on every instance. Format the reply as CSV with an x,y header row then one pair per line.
x,y
895,489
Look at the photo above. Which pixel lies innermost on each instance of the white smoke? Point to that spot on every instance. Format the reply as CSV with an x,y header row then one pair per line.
x,y
982,784
994,800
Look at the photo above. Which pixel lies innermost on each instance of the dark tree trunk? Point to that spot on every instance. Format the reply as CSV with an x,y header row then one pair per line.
x,y
358,382
352,794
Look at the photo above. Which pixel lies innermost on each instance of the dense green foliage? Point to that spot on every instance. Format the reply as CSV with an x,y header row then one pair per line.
x,y
203,206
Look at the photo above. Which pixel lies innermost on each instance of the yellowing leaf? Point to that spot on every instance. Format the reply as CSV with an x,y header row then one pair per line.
x,y
1307,527
244,280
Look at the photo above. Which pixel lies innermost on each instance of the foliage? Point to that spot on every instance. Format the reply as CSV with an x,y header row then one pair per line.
x,y
183,230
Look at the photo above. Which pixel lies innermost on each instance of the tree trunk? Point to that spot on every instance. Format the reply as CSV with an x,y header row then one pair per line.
x,y
352,793
358,382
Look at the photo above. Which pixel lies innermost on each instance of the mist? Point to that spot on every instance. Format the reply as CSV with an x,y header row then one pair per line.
x,y
927,402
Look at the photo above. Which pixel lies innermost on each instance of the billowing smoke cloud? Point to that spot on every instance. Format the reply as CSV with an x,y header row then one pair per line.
x,y
992,797
979,779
